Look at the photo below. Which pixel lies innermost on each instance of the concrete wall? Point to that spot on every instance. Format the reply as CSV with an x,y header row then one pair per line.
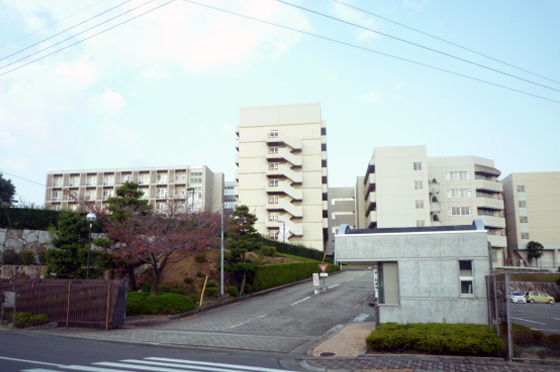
x,y
19,240
428,273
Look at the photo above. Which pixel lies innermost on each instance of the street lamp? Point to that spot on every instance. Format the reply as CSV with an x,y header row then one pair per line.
x,y
91,217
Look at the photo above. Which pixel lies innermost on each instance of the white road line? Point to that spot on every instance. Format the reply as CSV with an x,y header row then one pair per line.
x,y
147,368
300,301
349,280
32,362
233,366
360,318
528,321
332,286
94,369
248,321
39,370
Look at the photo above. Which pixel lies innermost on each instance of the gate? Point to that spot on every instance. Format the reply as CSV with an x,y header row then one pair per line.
x,y
72,303
522,309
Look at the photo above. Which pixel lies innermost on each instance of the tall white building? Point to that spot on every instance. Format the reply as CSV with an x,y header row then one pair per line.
x,y
403,187
532,202
196,186
282,171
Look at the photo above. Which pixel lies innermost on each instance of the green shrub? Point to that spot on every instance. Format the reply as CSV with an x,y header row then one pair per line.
x,y
200,257
212,291
188,280
164,303
268,250
27,257
195,297
10,257
212,283
526,336
233,291
248,288
24,320
145,287
43,256
268,276
166,288
295,249
200,274
436,338
28,218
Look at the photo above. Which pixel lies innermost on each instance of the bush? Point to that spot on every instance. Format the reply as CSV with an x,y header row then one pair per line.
x,y
296,250
24,320
200,257
10,257
212,291
267,250
200,274
212,283
268,276
43,256
248,288
233,291
27,257
164,303
195,297
436,338
188,280
145,287
166,288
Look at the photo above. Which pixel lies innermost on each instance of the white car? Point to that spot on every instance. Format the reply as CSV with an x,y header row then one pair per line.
x,y
517,297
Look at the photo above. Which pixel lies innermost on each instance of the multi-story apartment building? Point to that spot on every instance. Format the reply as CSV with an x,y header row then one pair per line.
x,y
196,186
282,171
342,211
532,202
230,195
403,187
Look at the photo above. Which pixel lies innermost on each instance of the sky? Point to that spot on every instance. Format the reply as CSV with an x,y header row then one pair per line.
x,y
166,88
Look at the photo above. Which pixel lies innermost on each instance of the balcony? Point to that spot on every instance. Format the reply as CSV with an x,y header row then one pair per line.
x,y
284,154
372,217
490,203
283,139
285,188
293,228
435,188
496,222
237,159
482,184
435,207
497,241
237,145
285,171
370,183
372,197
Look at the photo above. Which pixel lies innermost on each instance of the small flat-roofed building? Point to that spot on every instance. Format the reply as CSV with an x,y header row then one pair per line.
x,y
425,274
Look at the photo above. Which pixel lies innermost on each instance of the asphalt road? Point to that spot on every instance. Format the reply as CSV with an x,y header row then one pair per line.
x,y
540,317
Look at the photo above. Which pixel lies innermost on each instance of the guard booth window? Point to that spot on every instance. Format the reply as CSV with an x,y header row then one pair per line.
x,y
388,274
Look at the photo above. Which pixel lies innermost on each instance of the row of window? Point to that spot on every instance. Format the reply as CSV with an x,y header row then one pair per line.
x,y
143,178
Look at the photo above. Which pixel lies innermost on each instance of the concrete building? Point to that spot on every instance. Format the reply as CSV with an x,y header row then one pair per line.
x,y
282,171
403,187
230,195
425,274
342,211
196,186
532,202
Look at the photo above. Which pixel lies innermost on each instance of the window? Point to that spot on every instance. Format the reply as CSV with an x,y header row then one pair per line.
x,y
144,178
273,182
273,216
273,199
161,193
417,165
107,194
57,195
460,211
524,235
523,204
127,178
459,193
273,150
458,175
91,180
486,212
162,178
108,180
520,188
418,185
420,224
90,194
57,181
273,235
273,134
74,180
273,166
466,277
419,204
524,219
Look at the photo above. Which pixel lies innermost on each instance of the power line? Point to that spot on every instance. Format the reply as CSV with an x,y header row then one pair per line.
x,y
49,25
417,45
63,31
371,51
25,179
87,38
445,41
78,34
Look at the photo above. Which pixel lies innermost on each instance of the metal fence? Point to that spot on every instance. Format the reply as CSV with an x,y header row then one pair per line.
x,y
523,310
71,303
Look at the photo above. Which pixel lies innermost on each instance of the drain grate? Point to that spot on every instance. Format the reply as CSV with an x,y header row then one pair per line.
x,y
328,353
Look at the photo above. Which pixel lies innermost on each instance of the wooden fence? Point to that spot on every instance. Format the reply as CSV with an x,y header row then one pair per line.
x,y
71,303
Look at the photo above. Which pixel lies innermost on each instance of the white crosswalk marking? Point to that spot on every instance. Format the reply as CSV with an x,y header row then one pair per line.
x,y
154,364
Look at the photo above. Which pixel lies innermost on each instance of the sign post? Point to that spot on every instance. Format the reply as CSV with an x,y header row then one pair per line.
x,y
323,275
9,300
375,285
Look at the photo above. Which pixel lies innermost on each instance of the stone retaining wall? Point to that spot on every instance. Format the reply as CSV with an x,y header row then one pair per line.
x,y
19,240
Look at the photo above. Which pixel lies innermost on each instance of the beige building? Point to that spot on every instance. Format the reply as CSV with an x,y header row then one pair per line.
x,y
342,211
282,171
196,186
403,187
532,202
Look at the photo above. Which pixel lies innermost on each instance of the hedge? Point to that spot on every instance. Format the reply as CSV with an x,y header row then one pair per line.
x,y
269,276
295,250
28,219
436,338
165,303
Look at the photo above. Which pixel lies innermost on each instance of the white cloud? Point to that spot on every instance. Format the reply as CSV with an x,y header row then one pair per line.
x,y
371,96
417,5
113,101
82,72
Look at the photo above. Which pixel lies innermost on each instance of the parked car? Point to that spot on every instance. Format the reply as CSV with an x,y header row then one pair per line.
x,y
541,297
517,297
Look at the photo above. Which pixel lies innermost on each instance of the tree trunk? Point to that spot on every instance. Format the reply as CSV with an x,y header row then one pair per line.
x,y
131,277
243,280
